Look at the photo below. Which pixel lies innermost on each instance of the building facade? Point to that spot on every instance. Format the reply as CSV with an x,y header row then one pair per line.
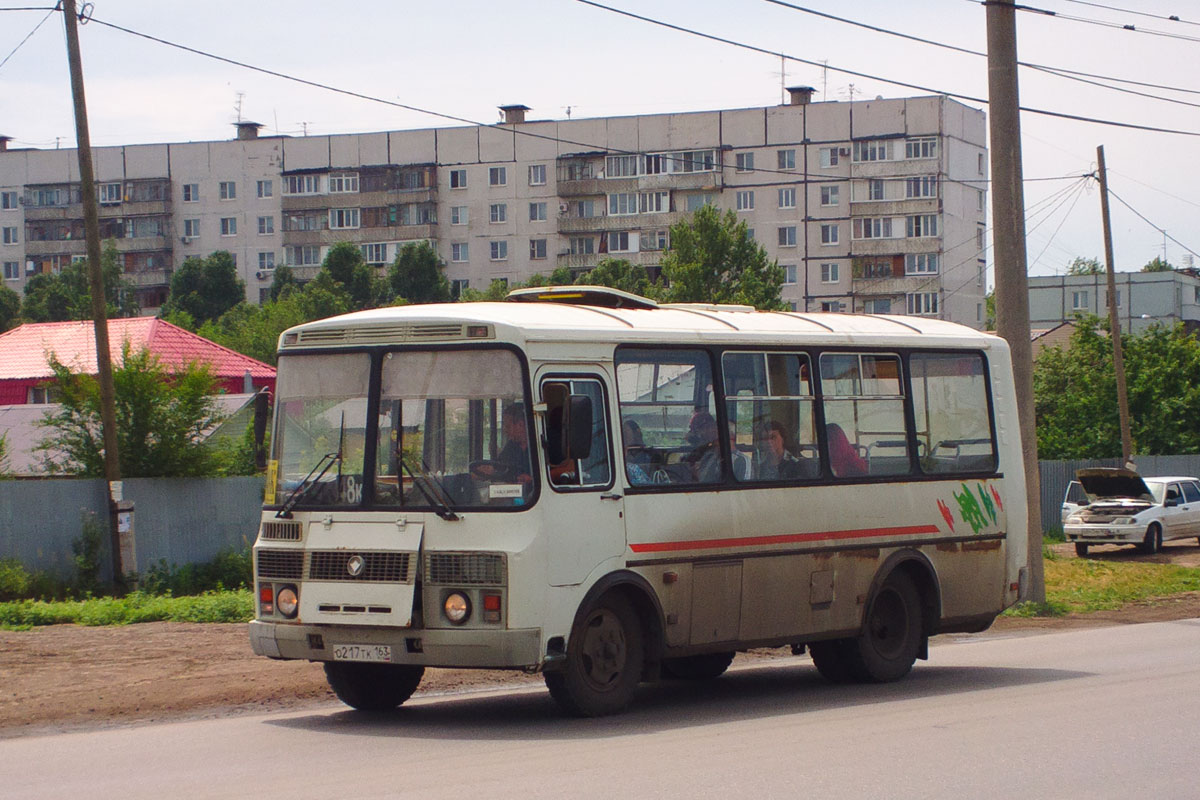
x,y
870,206
1143,299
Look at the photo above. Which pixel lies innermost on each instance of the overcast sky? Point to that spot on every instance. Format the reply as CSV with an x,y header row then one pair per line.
x,y
463,58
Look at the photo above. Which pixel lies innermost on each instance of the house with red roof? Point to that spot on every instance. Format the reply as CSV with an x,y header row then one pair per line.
x,y
25,351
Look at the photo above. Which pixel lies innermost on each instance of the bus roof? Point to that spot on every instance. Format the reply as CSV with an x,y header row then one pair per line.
x,y
561,320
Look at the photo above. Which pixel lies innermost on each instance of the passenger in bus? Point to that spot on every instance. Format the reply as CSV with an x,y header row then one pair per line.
x,y
776,461
515,453
705,457
843,457
637,459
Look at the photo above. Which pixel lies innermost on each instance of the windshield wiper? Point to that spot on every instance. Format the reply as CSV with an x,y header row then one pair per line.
x,y
425,482
323,464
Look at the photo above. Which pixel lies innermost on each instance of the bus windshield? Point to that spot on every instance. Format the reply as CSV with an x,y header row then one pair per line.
x,y
452,430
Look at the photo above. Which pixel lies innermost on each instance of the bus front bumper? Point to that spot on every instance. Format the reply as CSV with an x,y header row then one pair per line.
x,y
500,649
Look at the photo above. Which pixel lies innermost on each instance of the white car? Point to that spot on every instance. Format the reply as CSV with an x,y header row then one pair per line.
x,y
1128,509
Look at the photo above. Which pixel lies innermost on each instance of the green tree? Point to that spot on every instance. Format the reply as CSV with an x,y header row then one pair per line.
x,y
345,266
617,273
205,288
66,295
284,281
498,289
10,309
4,468
713,259
416,275
1085,266
1157,264
989,302
161,416
254,330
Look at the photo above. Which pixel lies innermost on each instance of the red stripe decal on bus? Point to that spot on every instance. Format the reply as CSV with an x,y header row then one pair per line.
x,y
787,538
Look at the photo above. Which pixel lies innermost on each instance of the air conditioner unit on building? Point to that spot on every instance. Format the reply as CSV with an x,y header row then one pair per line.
x,y
265,274
185,239
562,208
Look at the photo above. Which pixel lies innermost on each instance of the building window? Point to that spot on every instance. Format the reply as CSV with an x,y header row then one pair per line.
x,y
787,236
110,194
745,200
375,253
266,225
1079,300
12,270
266,260
875,189
871,228
227,190
191,193
343,183
618,242
653,240
458,215
693,161
979,200
458,179
8,201
654,202
537,249
829,195
789,274
497,176
622,204
877,306
831,306
922,303
582,246
924,147
229,226
785,159
458,286
787,197
621,166
191,228
498,212
537,174
266,188
829,234
306,255
745,162
921,225
921,187
979,163
537,212
695,202
874,150
343,218
829,157
459,252
829,273
921,264
980,241
302,184
499,249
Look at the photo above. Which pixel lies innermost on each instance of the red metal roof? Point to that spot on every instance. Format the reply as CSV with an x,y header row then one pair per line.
x,y
24,350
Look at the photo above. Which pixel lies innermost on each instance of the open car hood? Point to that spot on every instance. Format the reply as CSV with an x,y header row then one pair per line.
x,y
1105,483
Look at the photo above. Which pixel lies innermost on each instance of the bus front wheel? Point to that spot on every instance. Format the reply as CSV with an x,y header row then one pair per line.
x,y
604,662
372,687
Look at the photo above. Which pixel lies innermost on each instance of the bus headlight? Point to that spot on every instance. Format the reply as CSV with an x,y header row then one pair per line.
x,y
287,602
457,607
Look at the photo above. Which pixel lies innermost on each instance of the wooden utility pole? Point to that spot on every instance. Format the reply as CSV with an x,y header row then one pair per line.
x,y
1008,235
1114,319
91,230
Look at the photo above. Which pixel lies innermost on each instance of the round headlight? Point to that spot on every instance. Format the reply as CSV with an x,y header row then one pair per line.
x,y
287,602
457,607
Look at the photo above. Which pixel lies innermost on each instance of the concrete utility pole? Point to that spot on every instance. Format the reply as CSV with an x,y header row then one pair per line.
x,y
91,229
1008,234
1114,319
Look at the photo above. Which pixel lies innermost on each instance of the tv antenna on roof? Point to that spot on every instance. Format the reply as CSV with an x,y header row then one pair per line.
x,y
237,106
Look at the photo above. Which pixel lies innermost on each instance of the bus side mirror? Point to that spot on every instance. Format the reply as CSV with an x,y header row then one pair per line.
x,y
578,427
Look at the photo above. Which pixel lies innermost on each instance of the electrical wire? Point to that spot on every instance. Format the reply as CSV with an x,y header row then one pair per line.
x,y
1099,22
28,35
1151,224
1171,18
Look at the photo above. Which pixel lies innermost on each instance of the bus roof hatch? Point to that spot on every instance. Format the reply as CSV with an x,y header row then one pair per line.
x,y
601,296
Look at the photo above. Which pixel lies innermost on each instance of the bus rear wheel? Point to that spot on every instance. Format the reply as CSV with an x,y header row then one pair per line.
x,y
697,668
605,656
832,659
372,687
891,637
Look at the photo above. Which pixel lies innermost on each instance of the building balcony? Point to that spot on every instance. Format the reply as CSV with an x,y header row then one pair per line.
x,y
882,208
143,243
305,273
55,246
883,247
308,202
39,213
150,277
624,222
580,260
393,233
134,209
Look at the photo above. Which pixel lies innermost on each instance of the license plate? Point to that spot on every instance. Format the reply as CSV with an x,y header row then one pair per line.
x,y
362,652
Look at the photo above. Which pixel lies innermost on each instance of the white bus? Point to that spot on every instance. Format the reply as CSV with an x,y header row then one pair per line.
x,y
585,483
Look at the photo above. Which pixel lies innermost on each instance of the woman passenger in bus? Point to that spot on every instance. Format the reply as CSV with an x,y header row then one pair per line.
x,y
843,457
776,459
705,457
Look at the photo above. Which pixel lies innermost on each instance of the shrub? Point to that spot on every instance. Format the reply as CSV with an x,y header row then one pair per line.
x,y
14,580
229,569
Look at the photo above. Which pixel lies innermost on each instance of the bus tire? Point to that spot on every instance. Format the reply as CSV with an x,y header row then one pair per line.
x,y
892,632
372,687
605,656
831,659
706,667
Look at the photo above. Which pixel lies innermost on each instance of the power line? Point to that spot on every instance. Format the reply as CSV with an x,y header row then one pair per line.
x,y
1171,18
1151,224
892,81
28,35
1100,22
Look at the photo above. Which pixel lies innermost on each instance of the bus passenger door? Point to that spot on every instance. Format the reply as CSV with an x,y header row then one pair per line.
x,y
582,512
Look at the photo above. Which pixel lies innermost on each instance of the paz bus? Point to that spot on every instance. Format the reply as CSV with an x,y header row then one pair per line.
x,y
585,483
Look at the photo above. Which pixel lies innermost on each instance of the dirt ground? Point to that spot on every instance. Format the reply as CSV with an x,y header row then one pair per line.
x,y
67,677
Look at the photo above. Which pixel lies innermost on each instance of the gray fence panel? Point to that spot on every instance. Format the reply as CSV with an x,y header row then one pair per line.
x,y
40,519
190,520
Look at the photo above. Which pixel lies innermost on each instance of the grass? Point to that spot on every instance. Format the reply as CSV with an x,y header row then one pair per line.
x,y
217,606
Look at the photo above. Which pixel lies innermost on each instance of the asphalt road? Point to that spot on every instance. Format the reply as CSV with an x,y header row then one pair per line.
x,y
1108,712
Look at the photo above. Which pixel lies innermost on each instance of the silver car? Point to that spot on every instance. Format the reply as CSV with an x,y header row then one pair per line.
x,y
1125,508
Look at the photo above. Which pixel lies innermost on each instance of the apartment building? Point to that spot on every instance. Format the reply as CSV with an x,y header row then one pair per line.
x,y
870,206
1143,299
